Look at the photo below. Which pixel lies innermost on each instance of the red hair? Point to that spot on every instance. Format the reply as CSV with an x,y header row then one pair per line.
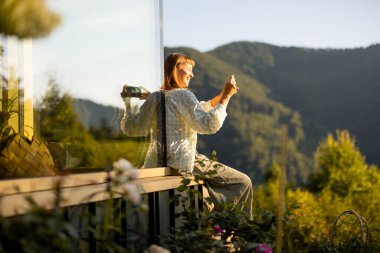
x,y
170,70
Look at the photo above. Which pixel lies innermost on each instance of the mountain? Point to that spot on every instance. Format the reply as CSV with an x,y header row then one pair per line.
x,y
94,115
311,91
330,88
250,138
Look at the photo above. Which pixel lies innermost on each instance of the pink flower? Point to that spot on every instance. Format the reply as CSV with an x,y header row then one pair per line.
x,y
263,248
218,229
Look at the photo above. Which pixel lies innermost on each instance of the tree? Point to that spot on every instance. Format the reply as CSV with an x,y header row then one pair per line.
x,y
26,19
59,125
345,182
339,164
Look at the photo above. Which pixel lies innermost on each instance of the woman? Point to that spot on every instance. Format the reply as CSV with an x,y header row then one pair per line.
x,y
185,118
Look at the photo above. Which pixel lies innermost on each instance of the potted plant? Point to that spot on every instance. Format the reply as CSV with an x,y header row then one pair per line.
x,y
20,156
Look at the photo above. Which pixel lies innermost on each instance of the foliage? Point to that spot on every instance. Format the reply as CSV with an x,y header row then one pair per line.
x,y
130,148
41,230
339,164
352,184
198,233
26,19
58,119
345,182
59,127
107,228
308,220
192,229
38,231
72,144
8,108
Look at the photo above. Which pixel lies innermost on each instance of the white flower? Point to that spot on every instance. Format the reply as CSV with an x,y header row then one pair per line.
x,y
124,171
123,165
120,179
133,192
134,174
156,249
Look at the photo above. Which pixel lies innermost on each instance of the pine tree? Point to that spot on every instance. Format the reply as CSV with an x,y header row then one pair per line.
x,y
339,164
59,127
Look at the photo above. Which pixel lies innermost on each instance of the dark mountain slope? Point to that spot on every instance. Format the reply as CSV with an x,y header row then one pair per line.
x,y
331,88
94,115
250,137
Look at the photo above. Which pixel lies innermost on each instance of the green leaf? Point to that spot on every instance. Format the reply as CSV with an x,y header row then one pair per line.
x,y
182,188
186,181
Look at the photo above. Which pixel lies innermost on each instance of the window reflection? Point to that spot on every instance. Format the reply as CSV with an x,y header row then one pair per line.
x,y
148,121
67,85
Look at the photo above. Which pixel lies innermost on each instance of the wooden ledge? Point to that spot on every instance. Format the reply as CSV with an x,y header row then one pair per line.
x,y
157,184
76,189
15,186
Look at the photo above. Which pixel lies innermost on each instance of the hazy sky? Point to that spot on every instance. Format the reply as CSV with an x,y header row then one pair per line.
x,y
102,45
206,24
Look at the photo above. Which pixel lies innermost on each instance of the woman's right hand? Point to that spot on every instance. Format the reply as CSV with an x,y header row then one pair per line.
x,y
230,87
125,93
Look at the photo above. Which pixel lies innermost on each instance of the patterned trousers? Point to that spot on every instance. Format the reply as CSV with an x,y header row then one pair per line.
x,y
227,185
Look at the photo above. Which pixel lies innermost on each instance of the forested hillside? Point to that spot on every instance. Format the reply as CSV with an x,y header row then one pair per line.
x,y
330,88
314,92
250,137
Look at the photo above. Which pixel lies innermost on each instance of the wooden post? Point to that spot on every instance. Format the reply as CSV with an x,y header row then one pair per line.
x,y
281,192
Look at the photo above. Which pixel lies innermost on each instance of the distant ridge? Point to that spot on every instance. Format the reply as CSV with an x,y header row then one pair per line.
x,y
91,114
313,91
331,88
250,137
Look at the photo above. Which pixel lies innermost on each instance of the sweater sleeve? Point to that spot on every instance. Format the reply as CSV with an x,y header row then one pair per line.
x,y
206,105
137,122
195,115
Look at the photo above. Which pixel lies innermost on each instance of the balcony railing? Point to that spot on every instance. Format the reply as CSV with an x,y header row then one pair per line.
x,y
157,186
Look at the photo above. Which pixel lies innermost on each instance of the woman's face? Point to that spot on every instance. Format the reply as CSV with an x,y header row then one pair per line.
x,y
184,74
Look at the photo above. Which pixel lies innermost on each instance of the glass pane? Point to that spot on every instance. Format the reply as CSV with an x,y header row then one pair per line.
x,y
67,86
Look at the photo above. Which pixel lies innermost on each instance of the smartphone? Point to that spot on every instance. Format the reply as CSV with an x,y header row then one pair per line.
x,y
133,91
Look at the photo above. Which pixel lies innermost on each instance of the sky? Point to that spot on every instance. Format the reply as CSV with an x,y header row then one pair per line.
x,y
98,47
102,45
207,24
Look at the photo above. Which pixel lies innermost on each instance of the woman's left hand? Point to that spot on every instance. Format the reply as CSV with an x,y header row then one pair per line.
x,y
230,88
